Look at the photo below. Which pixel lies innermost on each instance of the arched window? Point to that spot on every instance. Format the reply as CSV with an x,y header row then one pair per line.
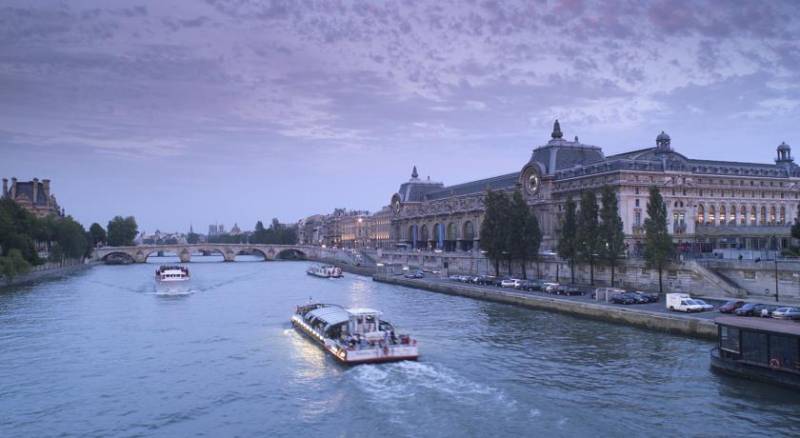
x,y
743,215
772,215
701,214
763,215
723,216
451,231
424,235
468,235
783,215
753,215
732,218
438,236
712,214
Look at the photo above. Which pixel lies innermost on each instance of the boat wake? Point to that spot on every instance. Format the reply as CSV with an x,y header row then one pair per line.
x,y
405,380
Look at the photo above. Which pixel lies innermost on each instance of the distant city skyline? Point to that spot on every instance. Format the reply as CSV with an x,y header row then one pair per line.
x,y
210,112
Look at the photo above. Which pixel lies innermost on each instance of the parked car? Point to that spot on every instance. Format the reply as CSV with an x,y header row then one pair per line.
x,y
510,282
750,309
731,306
786,313
415,274
622,299
706,307
766,312
531,285
651,298
550,288
570,290
454,278
638,297
682,303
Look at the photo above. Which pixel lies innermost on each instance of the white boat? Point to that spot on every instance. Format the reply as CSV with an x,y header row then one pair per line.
x,y
325,271
353,336
170,273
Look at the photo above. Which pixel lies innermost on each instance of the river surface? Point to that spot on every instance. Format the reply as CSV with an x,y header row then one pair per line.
x,y
108,353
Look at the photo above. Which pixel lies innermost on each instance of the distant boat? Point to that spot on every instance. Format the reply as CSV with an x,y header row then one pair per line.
x,y
325,271
353,336
170,273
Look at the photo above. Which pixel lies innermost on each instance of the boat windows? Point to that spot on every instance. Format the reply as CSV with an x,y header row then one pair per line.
x,y
754,347
729,339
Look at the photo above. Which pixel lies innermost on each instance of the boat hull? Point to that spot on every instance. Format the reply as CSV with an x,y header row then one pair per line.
x,y
753,372
394,353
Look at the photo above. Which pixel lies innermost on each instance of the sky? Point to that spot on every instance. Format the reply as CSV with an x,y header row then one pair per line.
x,y
197,112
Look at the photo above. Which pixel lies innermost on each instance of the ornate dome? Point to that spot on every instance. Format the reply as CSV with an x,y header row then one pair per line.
x,y
662,137
784,147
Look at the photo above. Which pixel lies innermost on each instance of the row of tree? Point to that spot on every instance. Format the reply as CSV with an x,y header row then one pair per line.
x,y
510,230
23,236
590,232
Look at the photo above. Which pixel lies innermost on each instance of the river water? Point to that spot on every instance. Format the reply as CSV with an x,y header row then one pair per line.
x,y
108,353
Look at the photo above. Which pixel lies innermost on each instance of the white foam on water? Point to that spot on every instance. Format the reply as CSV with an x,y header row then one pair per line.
x,y
398,381
534,413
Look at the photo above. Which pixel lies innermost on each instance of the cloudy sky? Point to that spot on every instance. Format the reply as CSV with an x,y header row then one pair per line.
x,y
231,111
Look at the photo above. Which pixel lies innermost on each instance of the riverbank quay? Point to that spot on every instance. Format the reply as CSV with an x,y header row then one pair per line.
x,y
48,270
651,317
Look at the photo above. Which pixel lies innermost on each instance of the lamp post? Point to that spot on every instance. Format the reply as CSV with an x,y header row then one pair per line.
x,y
776,278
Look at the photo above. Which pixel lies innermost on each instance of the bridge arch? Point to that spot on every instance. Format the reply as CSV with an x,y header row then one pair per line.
x,y
291,254
118,258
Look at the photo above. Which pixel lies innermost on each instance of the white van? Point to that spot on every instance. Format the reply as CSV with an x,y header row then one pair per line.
x,y
682,303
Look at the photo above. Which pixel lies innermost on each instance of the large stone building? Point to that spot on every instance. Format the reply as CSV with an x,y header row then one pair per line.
x,y
33,196
710,204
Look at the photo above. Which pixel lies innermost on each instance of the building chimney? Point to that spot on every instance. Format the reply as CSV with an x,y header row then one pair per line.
x,y
5,187
35,190
13,187
46,185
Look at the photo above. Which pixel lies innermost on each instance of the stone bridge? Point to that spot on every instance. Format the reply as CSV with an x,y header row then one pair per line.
x,y
229,251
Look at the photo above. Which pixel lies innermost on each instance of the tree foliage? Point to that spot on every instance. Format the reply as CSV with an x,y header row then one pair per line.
x,y
13,264
510,230
588,232
122,231
612,238
658,246
567,240
98,234
494,237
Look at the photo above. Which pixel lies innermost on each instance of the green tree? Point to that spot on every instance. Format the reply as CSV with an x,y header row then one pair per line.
x,y
494,227
18,230
192,238
612,239
658,246
122,231
260,235
523,236
98,234
567,240
588,230
71,237
13,264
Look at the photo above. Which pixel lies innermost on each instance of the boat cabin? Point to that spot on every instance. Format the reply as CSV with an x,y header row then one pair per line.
x,y
759,347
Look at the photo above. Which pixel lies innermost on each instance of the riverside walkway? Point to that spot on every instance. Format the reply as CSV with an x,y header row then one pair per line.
x,y
653,316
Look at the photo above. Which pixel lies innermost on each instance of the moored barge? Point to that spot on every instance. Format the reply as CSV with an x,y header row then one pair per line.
x,y
325,271
761,349
353,336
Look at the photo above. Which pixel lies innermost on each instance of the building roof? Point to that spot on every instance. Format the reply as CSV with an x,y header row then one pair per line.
x,y
26,189
764,324
506,181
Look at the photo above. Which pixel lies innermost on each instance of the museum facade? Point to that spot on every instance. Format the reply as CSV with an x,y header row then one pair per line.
x,y
710,204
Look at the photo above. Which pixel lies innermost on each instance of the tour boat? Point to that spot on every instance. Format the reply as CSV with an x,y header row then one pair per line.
x,y
168,273
353,336
759,349
325,271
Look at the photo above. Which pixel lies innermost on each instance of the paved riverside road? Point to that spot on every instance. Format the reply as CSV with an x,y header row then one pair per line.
x,y
658,307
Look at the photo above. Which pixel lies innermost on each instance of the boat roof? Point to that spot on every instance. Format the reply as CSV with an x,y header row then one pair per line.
x,y
363,311
764,324
330,314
